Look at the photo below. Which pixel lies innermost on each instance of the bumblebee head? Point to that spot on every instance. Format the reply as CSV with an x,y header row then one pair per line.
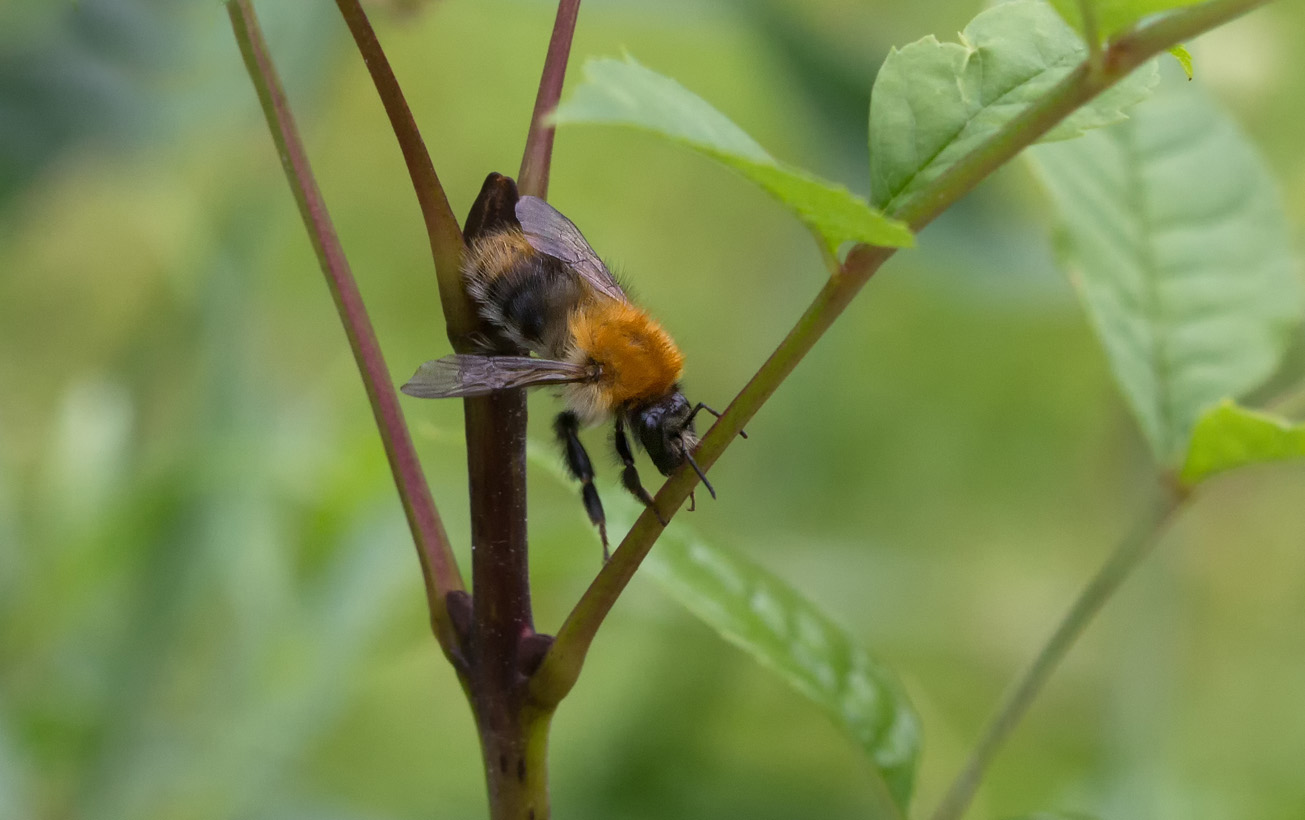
x,y
665,429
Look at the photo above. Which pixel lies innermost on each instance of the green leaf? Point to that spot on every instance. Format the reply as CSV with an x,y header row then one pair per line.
x,y
1056,815
771,621
1113,16
1228,436
623,92
784,632
1184,58
1178,243
935,102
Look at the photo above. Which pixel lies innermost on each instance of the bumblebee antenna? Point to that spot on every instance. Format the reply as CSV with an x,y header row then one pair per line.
x,y
701,475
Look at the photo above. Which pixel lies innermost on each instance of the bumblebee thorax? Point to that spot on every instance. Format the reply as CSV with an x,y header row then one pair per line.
x,y
637,358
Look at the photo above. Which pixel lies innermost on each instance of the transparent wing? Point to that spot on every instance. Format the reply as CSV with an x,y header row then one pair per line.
x,y
462,375
550,233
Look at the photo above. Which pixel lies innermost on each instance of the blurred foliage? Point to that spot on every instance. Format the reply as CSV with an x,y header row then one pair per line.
x,y
1227,437
1175,235
208,602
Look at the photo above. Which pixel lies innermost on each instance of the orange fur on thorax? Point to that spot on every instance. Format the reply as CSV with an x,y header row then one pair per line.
x,y
637,358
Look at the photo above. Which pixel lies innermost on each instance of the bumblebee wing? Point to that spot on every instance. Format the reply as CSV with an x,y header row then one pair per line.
x,y
550,233
462,375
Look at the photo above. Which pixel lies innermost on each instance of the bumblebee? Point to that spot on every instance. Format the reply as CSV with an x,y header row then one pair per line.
x,y
536,282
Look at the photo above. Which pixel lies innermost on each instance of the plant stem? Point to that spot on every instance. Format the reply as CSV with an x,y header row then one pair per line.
x,y
439,569
441,225
1121,563
501,613
504,647
1087,10
561,666
535,162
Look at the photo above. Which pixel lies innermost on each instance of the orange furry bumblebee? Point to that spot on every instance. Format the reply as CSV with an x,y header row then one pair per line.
x,y
537,282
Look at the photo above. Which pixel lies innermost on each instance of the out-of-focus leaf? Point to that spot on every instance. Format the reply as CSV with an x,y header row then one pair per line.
x,y
935,102
1184,58
1177,240
14,801
1228,436
1113,16
771,621
623,92
1055,815
784,632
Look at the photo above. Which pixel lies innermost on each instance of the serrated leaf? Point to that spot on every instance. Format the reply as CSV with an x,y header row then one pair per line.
x,y
1178,242
1184,58
935,102
769,620
1113,16
623,92
1228,436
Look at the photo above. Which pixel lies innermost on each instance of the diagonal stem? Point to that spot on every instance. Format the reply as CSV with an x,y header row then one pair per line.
x,y
535,163
439,570
1121,563
561,666
441,224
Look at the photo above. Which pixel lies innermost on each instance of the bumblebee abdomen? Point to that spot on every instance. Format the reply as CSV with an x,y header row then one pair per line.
x,y
523,293
637,359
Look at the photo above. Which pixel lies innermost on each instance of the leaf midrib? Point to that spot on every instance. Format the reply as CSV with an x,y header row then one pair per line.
x,y
1074,58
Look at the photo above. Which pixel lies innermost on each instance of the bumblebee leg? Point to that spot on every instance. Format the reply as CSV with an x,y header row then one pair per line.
x,y
567,427
701,406
630,475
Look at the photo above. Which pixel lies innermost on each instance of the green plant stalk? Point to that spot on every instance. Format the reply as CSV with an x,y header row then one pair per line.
x,y
1121,563
1087,10
441,225
438,567
561,666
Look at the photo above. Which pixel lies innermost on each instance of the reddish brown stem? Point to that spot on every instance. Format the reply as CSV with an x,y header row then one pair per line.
x,y
441,225
439,570
533,178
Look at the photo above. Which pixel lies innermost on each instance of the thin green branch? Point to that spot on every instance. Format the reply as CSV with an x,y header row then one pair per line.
x,y
439,570
441,224
538,156
1121,563
1087,9
561,666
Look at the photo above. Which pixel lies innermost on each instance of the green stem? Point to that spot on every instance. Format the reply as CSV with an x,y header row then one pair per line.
x,y
441,224
1121,563
439,569
561,666
1087,10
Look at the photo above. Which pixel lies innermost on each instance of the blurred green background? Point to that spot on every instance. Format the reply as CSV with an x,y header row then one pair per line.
x,y
209,607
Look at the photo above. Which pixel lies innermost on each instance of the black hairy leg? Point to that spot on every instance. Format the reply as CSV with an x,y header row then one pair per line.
x,y
630,475
567,427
